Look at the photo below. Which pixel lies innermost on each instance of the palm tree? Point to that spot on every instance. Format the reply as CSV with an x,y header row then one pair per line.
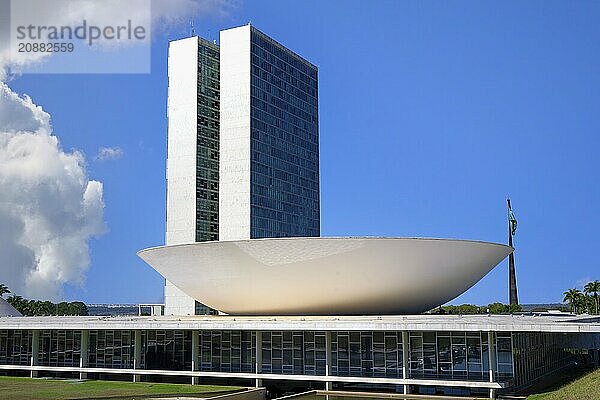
x,y
573,297
3,289
592,288
585,304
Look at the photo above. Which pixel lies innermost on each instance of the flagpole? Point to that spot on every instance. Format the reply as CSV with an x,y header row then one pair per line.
x,y
512,276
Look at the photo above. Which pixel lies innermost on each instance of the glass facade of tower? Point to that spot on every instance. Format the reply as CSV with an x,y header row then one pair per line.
x,y
207,164
207,178
284,192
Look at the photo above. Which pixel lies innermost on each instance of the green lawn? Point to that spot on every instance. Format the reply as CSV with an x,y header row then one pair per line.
x,y
585,388
12,388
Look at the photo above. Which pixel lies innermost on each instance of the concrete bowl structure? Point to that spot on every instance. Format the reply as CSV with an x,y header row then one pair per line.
x,y
326,276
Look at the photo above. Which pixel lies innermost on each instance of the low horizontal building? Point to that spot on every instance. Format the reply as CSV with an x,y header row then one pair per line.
x,y
414,353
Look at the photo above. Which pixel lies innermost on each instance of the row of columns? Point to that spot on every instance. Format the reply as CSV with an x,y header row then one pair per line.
x,y
137,356
85,345
83,359
405,359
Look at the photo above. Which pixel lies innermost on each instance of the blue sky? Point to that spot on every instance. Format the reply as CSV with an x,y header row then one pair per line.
x,y
431,114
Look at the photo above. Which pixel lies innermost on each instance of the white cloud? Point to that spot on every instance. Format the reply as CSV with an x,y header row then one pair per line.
x,y
160,14
49,209
109,153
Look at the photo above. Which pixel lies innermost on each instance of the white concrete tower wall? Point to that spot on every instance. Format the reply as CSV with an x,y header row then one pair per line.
x,y
182,106
234,152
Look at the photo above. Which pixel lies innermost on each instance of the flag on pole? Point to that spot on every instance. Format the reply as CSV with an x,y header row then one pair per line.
x,y
512,220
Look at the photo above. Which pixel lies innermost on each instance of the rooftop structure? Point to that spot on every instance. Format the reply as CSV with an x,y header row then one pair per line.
x,y
542,322
326,276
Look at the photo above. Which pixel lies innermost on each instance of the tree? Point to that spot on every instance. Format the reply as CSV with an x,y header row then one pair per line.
x,y
590,303
592,288
574,298
465,309
77,308
62,308
3,289
41,308
515,308
19,303
498,308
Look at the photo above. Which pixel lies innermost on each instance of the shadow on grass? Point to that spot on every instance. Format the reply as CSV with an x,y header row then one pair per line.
x,y
558,379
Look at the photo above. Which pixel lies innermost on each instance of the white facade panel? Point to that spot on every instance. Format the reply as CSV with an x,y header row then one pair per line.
x,y
182,133
234,152
177,302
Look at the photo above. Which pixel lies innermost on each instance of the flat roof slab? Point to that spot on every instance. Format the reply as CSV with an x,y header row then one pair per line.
x,y
498,323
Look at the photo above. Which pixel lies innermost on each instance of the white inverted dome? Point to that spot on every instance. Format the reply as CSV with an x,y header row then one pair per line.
x,y
326,276
6,310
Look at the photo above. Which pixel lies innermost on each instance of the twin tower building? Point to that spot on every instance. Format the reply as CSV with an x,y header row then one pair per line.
x,y
243,144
